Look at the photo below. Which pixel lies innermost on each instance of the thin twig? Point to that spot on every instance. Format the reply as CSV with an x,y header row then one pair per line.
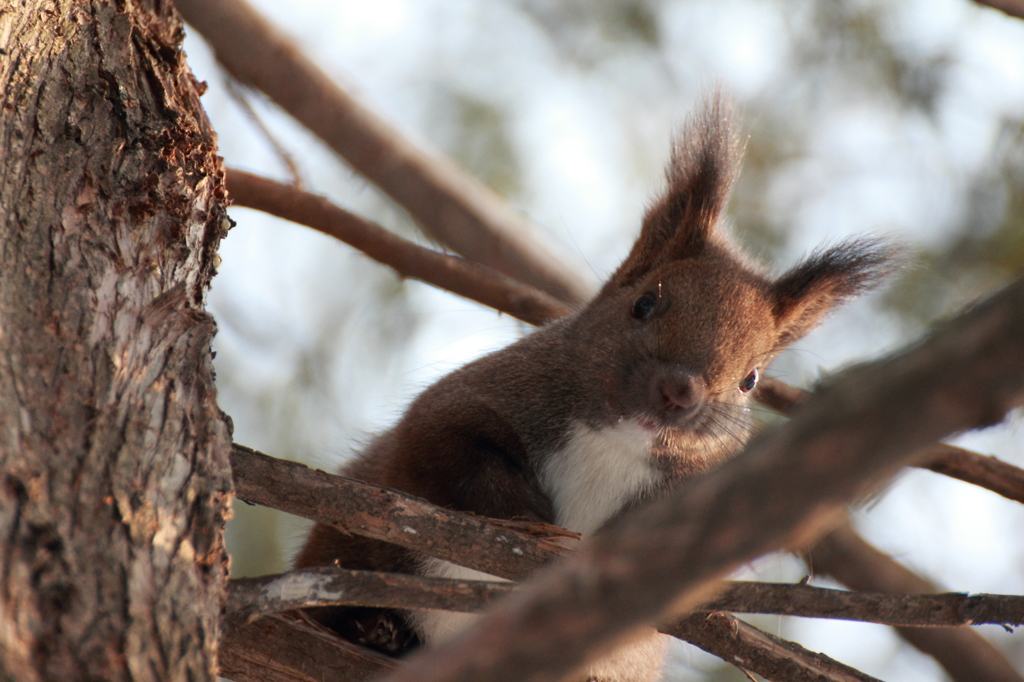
x,y
452,206
905,610
771,657
966,655
333,586
463,277
237,92
981,470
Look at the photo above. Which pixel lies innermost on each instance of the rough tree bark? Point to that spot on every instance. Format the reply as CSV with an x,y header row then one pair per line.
x,y
113,454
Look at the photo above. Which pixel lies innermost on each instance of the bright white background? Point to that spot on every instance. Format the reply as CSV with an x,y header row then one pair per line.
x,y
901,119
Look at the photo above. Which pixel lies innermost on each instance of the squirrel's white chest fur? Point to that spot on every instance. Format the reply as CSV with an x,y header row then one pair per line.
x,y
589,479
597,472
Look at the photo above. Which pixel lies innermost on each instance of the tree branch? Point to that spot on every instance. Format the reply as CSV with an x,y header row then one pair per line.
x,y
966,655
984,471
385,514
333,586
260,476
250,598
1014,8
453,207
239,94
981,470
771,657
292,648
783,490
457,275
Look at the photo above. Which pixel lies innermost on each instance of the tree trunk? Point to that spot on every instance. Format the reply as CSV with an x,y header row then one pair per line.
x,y
113,454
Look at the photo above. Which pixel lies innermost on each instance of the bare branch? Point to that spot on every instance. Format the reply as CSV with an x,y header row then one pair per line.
x,y
1014,8
910,610
778,395
389,515
238,93
784,489
981,470
453,207
334,586
250,598
463,277
292,648
966,655
771,657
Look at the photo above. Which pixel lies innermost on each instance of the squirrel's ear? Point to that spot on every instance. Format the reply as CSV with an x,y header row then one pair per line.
x,y
705,161
811,289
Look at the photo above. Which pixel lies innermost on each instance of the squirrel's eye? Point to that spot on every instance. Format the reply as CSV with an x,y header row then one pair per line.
x,y
749,381
644,306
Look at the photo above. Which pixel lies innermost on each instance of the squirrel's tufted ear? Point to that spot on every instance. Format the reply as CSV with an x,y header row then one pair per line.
x,y
705,161
805,294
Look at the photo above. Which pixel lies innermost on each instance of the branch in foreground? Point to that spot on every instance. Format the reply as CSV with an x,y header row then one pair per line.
x,y
292,648
392,516
457,275
250,598
254,472
966,655
1014,8
452,206
385,514
981,470
785,488
332,586
754,649
717,633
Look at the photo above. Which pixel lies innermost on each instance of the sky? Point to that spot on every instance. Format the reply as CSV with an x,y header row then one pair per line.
x,y
860,117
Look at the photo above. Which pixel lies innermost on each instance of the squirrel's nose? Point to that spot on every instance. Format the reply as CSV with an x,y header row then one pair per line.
x,y
681,392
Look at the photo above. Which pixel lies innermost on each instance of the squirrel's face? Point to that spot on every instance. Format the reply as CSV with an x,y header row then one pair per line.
x,y
678,335
690,341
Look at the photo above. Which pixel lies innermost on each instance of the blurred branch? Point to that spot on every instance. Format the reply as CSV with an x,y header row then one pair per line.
x,y
982,470
783,490
389,515
457,275
966,655
754,650
292,648
385,514
250,598
1015,8
238,93
453,207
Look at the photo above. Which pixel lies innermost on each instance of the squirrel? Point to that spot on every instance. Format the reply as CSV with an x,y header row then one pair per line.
x,y
644,386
